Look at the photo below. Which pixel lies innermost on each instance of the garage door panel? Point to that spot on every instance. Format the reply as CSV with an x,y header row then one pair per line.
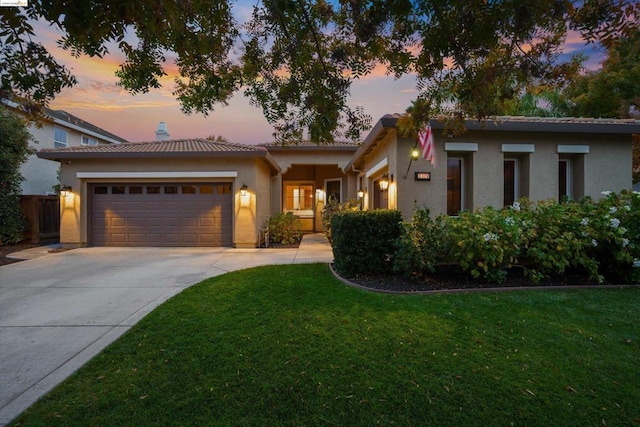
x,y
140,219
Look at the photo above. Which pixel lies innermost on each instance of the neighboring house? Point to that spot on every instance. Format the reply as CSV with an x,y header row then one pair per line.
x,y
58,129
209,193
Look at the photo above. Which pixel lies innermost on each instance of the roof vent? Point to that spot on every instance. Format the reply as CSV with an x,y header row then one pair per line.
x,y
162,133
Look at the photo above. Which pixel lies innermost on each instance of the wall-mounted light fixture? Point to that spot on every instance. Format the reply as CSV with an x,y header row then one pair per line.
x,y
319,195
384,182
415,154
361,193
243,190
65,190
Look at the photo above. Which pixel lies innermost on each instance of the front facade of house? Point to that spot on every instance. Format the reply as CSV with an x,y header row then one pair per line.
x,y
58,129
212,193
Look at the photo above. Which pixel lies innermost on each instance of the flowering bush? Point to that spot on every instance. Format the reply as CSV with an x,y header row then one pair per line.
x,y
601,239
485,243
422,245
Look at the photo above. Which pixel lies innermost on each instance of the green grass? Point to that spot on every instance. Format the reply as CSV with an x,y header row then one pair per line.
x,y
290,345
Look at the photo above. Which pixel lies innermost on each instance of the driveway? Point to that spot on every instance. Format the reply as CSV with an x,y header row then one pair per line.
x,y
59,310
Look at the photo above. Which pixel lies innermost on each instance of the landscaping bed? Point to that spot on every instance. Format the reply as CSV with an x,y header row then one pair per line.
x,y
9,249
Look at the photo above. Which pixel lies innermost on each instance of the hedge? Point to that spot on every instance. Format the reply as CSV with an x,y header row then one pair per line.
x,y
364,241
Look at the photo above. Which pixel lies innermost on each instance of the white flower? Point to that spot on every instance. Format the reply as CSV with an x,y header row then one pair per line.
x,y
613,209
606,193
622,230
585,221
625,243
516,206
615,222
636,263
626,207
585,234
594,242
490,236
509,221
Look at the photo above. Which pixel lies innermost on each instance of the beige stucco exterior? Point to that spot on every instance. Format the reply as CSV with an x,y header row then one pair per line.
x,y
40,175
250,211
599,160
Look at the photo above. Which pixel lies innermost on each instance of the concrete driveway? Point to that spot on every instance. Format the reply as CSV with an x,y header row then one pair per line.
x,y
59,310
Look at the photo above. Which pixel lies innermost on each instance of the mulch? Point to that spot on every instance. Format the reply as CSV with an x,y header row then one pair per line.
x,y
451,277
8,249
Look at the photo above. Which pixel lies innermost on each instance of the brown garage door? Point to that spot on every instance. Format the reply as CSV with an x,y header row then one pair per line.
x,y
161,214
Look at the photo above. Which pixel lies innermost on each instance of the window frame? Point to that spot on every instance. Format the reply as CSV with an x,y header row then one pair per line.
x,y
462,163
516,179
89,139
303,213
56,141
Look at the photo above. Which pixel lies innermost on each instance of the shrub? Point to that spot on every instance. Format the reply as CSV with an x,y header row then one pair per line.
x,y
333,207
485,243
364,241
14,150
285,229
422,244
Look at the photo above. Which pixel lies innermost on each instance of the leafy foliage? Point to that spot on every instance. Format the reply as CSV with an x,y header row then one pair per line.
x,y
363,241
333,207
297,59
549,238
614,90
14,150
285,229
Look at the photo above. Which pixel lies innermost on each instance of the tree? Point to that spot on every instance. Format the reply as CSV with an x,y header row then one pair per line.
x,y
614,90
297,59
14,150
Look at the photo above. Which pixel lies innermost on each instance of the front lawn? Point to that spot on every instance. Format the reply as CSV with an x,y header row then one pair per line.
x,y
290,345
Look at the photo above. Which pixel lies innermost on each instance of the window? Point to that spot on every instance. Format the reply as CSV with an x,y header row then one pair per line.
x,y
135,189
102,189
206,189
188,189
333,190
59,137
117,189
299,198
170,189
511,181
153,189
564,178
455,187
85,140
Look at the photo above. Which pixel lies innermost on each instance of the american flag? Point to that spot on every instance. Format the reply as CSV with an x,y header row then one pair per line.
x,y
425,138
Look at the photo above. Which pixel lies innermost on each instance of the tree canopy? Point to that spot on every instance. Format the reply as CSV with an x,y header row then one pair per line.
x,y
297,59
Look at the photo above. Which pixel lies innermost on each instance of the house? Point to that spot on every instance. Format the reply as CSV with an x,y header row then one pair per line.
x,y
200,192
58,129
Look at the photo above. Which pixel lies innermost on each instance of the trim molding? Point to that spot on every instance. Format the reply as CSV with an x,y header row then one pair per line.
x,y
174,175
460,146
573,149
378,167
518,148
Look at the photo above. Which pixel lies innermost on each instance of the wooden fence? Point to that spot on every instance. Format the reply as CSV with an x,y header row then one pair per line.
x,y
43,215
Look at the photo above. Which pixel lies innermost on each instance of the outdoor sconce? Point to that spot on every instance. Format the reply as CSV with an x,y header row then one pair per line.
x,y
361,193
415,154
243,190
65,190
384,182
319,195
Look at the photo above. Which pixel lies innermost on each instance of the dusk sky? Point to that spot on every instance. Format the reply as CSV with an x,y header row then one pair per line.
x,y
97,99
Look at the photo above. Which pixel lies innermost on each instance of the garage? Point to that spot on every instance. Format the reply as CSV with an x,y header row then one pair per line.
x,y
161,214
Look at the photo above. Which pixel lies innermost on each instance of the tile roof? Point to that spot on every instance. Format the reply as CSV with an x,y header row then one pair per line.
x,y
170,146
309,145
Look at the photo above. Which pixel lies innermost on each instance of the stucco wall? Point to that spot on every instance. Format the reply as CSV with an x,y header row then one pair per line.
x,y
607,166
248,210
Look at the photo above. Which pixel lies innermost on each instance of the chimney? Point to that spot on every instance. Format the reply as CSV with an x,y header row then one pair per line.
x,y
162,134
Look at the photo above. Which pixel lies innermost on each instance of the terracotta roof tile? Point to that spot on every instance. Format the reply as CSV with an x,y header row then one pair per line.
x,y
171,146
